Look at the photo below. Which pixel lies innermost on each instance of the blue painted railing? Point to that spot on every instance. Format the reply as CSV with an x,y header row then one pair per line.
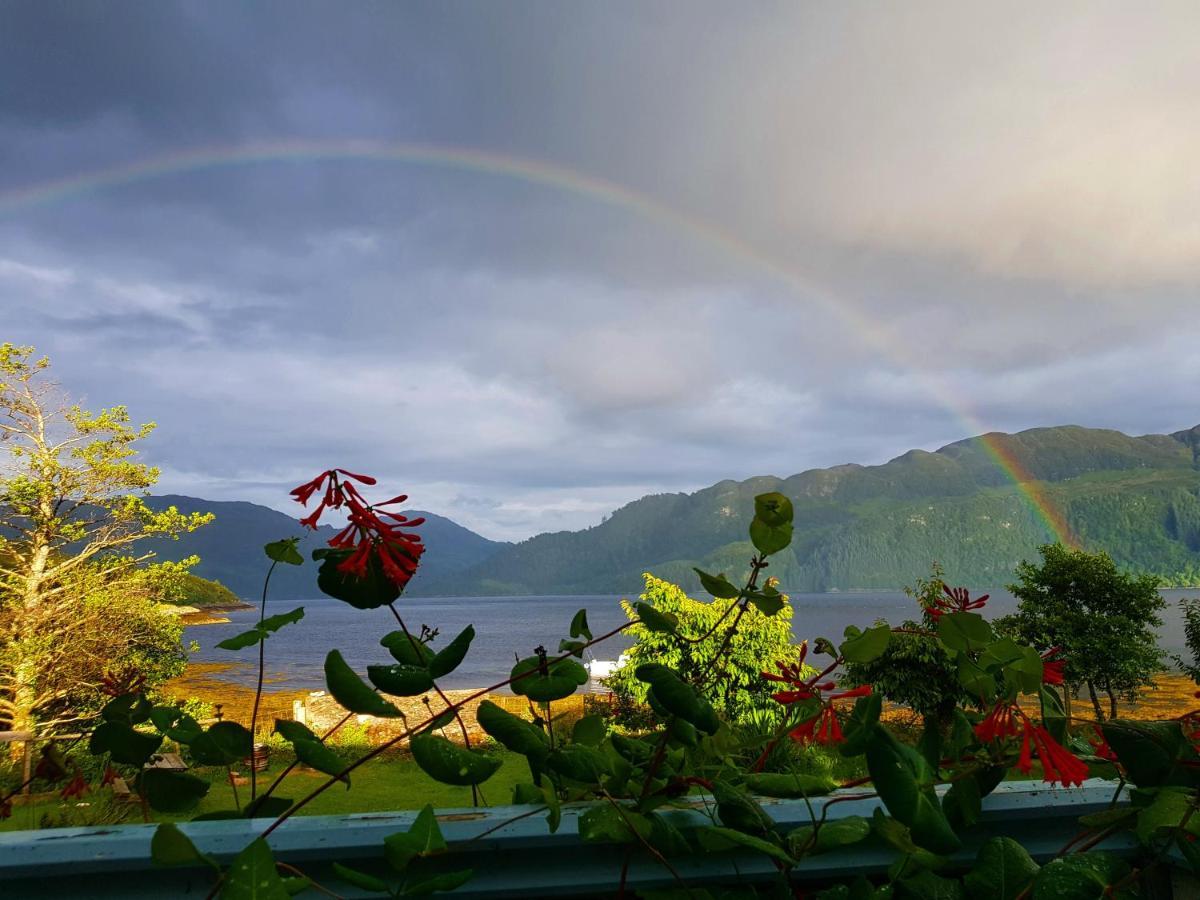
x,y
519,859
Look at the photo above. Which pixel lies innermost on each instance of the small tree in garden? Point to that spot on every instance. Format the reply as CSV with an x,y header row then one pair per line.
x,y
1101,618
1191,638
917,670
699,632
75,597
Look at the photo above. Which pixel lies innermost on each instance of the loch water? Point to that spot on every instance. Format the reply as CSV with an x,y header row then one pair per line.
x,y
516,625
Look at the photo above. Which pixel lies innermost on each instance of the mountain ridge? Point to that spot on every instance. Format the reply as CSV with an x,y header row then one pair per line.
x,y
858,527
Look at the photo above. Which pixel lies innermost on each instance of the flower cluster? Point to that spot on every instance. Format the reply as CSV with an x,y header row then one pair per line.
x,y
822,727
954,600
371,533
1052,666
1059,765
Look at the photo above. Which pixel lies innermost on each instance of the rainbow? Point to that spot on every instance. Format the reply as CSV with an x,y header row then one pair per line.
x,y
561,178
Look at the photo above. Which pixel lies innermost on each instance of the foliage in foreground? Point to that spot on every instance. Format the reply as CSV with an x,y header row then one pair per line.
x,y
1014,720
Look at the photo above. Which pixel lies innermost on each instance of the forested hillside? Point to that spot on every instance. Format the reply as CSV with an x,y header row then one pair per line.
x,y
230,549
881,526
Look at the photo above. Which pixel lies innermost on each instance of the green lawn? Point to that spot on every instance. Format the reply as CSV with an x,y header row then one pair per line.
x,y
389,783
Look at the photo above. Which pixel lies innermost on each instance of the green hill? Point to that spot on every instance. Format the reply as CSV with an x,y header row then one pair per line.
x,y
880,526
230,549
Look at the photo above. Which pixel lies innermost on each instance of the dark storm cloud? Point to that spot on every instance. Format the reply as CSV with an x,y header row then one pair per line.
x,y
890,227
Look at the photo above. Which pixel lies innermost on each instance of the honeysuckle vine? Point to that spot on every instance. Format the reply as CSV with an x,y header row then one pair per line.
x,y
930,790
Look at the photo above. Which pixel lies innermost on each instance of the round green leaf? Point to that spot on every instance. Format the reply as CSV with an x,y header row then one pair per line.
x,y
407,650
124,743
401,680
1003,870
171,792
449,763
351,692
561,679
448,658
773,508
373,590
665,623
284,551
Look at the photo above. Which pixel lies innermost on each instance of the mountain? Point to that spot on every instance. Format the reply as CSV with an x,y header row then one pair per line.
x,y
230,549
879,527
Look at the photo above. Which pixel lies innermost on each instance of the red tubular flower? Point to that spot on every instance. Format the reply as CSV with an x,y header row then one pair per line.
x,y
955,600
76,787
110,775
998,724
1052,668
1100,746
372,533
823,727
119,682
1058,763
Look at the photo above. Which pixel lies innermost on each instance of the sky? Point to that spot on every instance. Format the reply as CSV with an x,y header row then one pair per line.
x,y
528,262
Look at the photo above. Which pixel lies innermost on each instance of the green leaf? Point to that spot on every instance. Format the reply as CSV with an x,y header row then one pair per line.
x,y
867,646
1026,672
370,592
580,763
768,539
738,810
252,875
964,631
860,725
664,623
925,885
563,677
352,692
717,585
401,680
589,730
717,839
513,732
448,658
295,884
789,786
831,835
575,648
175,724
603,823
449,763
222,744
317,755
447,881
1080,876
773,508
285,551
1153,754
171,847
767,601
274,623
361,879
579,626
1166,812
903,780
292,731
899,837
124,743
242,641
423,838
128,709
678,697
1003,870
407,650
171,792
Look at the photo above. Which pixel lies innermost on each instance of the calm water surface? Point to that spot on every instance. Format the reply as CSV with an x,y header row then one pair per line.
x,y
505,625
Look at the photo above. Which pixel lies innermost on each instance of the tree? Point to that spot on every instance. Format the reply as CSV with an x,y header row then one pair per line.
x,y
916,669
75,596
1101,617
1191,637
760,642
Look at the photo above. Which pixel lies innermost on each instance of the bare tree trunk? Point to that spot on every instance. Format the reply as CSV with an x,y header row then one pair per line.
x,y
1095,702
1112,702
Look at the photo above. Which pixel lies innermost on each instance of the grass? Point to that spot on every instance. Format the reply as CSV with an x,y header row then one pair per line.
x,y
382,785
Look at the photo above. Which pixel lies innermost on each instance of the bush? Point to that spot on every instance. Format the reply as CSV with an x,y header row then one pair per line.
x,y
760,642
